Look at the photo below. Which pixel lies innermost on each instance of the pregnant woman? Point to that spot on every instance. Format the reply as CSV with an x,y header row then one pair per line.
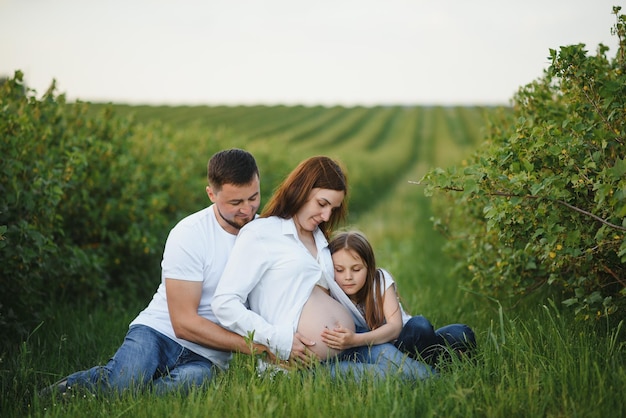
x,y
280,265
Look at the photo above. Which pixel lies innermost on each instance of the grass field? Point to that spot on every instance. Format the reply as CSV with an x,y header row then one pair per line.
x,y
533,360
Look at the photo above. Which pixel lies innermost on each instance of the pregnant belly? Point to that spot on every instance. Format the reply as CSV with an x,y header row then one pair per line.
x,y
321,311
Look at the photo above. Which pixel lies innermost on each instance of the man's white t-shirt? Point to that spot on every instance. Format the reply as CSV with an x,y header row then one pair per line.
x,y
196,249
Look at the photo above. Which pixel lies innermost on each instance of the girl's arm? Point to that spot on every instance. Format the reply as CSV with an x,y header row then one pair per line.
x,y
341,338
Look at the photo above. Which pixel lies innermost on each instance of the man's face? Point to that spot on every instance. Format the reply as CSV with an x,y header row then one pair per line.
x,y
235,206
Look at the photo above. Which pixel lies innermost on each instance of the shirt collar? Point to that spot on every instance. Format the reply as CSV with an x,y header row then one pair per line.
x,y
289,228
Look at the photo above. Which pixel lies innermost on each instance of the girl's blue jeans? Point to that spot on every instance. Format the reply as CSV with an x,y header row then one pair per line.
x,y
420,340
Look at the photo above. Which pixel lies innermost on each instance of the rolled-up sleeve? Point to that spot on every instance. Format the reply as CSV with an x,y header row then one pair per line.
x,y
247,264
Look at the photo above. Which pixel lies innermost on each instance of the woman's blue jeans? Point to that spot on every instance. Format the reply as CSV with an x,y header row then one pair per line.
x,y
146,359
380,361
420,340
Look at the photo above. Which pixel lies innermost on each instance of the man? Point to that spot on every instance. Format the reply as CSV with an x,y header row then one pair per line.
x,y
175,343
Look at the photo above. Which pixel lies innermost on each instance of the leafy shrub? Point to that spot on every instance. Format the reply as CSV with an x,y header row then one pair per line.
x,y
79,216
544,201
88,198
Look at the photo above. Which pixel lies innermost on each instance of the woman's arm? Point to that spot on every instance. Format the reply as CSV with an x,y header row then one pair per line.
x,y
183,299
244,271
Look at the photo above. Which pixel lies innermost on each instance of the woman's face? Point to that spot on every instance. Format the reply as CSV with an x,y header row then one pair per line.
x,y
318,207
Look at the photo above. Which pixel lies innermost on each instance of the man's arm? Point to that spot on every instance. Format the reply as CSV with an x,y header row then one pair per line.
x,y
183,299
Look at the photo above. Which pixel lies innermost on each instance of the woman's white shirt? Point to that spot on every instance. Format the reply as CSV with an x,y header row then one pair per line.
x,y
271,272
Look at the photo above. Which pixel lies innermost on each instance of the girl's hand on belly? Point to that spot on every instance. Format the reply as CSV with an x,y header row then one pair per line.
x,y
339,338
321,312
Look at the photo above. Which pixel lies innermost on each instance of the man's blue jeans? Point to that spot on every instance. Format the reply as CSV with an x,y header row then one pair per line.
x,y
146,359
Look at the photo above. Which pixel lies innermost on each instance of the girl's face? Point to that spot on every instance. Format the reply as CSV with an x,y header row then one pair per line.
x,y
318,208
350,271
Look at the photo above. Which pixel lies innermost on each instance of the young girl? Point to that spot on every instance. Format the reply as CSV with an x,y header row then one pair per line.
x,y
370,295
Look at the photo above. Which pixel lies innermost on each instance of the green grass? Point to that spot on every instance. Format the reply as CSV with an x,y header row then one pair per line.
x,y
533,359
539,363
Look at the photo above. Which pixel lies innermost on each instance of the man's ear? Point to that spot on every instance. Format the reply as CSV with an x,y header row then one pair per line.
x,y
210,193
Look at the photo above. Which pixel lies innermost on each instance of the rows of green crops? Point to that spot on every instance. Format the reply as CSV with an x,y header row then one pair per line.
x,y
377,145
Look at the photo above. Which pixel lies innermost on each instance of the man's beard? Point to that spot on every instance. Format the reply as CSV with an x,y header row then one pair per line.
x,y
232,223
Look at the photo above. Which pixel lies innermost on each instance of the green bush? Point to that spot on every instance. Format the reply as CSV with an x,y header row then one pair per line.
x,y
78,215
88,198
544,201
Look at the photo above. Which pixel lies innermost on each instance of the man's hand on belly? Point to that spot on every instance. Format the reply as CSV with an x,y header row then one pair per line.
x,y
301,355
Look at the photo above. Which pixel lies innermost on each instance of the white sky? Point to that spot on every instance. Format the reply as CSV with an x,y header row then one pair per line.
x,y
347,52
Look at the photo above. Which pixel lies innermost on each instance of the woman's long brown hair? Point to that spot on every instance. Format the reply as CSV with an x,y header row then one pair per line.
x,y
314,172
